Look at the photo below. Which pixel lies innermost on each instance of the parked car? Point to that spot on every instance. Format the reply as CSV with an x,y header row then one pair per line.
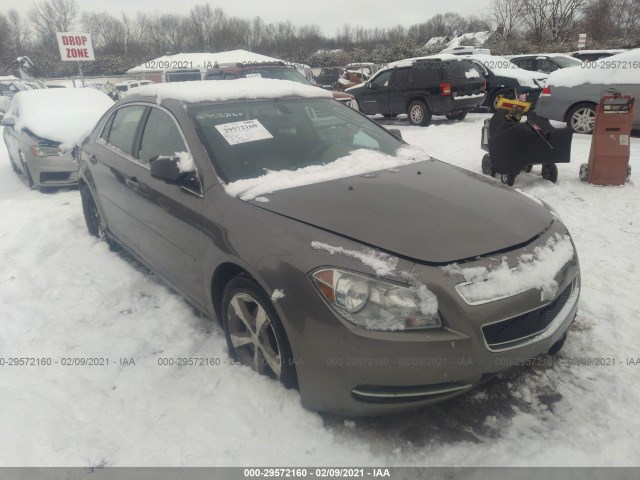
x,y
276,70
349,79
11,85
423,87
182,75
328,76
593,55
466,50
41,128
366,69
505,79
571,94
544,62
268,206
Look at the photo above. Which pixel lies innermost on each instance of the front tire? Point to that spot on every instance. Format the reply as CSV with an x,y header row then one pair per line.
x,y
418,113
92,216
487,167
503,92
582,118
255,336
508,179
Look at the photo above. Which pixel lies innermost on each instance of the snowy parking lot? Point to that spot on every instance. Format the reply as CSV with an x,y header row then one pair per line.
x,y
65,295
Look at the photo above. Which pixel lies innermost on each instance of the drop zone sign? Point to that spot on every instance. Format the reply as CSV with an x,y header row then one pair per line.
x,y
75,47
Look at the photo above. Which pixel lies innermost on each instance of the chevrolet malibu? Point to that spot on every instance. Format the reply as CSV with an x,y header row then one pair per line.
x,y
338,259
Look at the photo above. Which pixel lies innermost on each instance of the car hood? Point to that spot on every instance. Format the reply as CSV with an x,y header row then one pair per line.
x,y
429,211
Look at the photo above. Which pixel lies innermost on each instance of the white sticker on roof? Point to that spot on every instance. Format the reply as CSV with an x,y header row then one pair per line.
x,y
243,132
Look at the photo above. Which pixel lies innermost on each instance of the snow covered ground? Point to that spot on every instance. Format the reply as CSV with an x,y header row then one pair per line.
x,y
63,294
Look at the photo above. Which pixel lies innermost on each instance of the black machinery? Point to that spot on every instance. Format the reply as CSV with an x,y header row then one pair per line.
x,y
515,142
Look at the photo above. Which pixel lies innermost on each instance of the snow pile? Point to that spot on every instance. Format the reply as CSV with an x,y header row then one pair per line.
x,y
475,38
534,270
62,115
240,89
382,263
277,295
618,69
358,162
185,162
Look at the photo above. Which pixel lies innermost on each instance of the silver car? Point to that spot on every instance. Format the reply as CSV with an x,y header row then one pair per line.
x,y
571,94
40,130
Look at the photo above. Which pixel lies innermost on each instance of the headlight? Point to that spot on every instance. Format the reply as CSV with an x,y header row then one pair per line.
x,y
44,151
376,304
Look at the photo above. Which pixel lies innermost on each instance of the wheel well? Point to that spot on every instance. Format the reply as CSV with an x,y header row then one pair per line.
x,y
413,99
566,115
221,277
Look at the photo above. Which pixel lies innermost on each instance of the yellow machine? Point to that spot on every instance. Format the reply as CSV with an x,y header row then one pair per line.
x,y
516,108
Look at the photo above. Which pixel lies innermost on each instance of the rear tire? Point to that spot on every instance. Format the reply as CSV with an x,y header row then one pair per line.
x,y
582,118
550,172
418,113
254,333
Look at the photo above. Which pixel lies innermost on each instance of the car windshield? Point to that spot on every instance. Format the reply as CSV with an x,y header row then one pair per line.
x,y
248,139
565,62
278,73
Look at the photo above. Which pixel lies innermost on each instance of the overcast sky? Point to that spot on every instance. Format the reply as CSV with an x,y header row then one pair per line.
x,y
328,14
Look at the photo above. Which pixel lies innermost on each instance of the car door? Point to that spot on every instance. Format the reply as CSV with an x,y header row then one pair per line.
x,y
375,97
112,165
398,86
167,216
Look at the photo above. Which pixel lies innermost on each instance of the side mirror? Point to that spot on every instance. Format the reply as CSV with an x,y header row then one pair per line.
x,y
396,132
166,169
8,121
367,84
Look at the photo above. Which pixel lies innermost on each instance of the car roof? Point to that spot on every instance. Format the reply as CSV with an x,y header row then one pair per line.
x,y
211,91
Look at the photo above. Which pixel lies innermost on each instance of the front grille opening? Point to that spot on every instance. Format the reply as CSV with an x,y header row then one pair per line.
x,y
523,326
54,176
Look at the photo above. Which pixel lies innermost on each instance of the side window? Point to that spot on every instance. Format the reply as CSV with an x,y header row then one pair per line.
x,y
229,76
382,80
400,78
546,65
107,127
427,71
161,138
215,76
124,126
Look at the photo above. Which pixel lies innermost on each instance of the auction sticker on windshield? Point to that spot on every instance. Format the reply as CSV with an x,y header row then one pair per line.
x,y
243,132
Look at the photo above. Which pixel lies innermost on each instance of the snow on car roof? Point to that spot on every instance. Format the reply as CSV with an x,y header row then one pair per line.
x,y
240,89
61,115
620,68
407,62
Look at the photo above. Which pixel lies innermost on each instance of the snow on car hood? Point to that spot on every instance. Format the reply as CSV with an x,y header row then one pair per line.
x,y
427,211
617,69
505,68
61,114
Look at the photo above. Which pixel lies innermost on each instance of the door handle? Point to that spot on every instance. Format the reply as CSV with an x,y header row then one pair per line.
x,y
132,183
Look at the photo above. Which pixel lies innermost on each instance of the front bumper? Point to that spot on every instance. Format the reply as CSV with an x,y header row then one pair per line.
x,y
54,171
349,370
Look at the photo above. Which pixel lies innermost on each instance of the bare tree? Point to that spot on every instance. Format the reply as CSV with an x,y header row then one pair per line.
x,y
506,15
53,16
19,29
553,20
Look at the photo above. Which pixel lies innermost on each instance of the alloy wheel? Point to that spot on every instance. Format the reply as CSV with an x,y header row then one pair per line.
x,y
583,120
253,337
417,114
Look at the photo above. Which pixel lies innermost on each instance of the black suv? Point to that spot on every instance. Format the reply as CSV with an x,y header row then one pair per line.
x,y
422,88
277,70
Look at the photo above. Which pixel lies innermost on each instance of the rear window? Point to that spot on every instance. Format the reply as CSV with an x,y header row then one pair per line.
x,y
461,70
